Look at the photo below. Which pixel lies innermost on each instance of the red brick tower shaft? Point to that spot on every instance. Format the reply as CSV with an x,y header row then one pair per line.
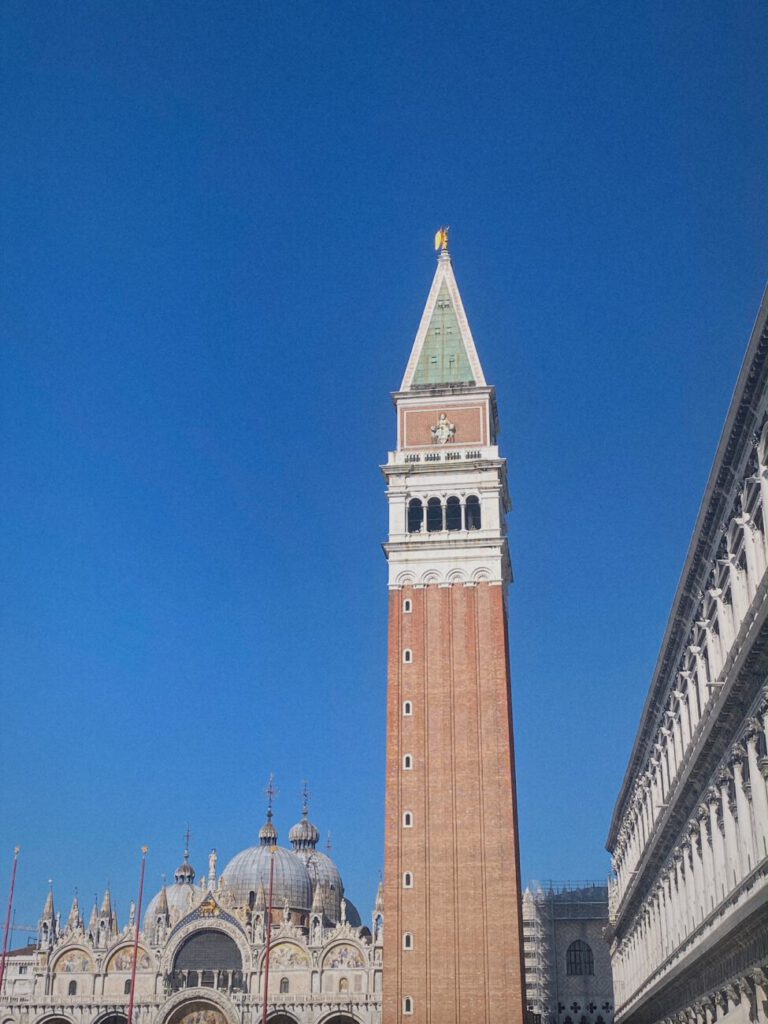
x,y
453,940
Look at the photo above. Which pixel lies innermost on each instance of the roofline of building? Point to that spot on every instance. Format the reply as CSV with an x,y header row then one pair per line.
x,y
704,540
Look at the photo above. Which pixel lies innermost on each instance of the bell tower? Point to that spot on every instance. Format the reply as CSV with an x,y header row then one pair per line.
x,y
453,938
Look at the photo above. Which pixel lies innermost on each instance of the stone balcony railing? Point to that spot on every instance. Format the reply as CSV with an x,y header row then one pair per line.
x,y
436,456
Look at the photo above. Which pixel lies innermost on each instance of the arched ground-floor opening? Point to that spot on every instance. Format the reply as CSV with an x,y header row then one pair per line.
x,y
197,1011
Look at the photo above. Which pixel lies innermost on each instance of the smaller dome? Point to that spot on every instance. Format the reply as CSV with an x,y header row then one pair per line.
x,y
174,900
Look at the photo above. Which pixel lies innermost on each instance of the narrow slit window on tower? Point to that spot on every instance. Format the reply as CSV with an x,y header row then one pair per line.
x,y
453,513
408,762
408,819
407,940
407,708
407,656
472,512
407,605
415,515
434,515
407,880
407,1005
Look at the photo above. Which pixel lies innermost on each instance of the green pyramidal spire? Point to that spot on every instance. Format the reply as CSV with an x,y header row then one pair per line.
x,y
443,358
444,352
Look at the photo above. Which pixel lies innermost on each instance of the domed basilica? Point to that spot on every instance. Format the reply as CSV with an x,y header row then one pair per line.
x,y
202,948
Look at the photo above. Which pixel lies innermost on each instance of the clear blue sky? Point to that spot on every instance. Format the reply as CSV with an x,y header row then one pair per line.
x,y
217,226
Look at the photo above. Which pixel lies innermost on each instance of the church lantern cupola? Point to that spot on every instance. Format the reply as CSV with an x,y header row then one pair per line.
x,y
304,835
185,873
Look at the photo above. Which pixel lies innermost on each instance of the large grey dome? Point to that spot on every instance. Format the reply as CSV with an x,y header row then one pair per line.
x,y
322,870
250,869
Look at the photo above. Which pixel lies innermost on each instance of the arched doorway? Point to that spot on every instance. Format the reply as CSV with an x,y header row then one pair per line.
x,y
112,1018
208,959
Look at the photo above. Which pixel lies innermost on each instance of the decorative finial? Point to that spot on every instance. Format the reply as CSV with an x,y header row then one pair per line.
x,y
328,842
187,837
305,794
441,239
271,792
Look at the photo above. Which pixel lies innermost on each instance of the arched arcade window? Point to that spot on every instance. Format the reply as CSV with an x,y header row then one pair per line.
x,y
579,958
434,515
472,512
284,985
415,515
72,990
453,514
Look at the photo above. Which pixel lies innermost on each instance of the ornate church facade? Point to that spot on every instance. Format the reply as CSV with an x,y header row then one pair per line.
x,y
201,953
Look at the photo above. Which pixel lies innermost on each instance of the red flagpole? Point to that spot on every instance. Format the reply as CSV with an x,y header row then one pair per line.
x,y
269,936
137,922
8,917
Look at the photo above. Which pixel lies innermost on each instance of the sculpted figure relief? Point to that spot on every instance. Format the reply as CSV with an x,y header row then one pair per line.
x,y
444,430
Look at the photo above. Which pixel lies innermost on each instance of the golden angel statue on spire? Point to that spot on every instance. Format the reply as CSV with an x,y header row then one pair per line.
x,y
441,238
